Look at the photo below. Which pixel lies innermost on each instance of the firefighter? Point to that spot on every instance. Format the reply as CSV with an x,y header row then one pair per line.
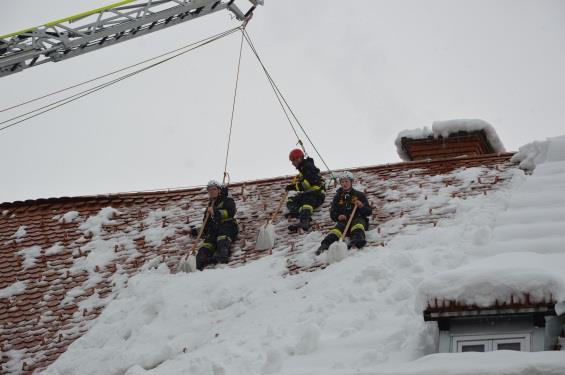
x,y
220,230
310,189
342,206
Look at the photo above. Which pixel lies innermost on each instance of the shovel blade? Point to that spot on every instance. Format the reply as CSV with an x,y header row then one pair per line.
x,y
265,237
187,265
337,252
191,262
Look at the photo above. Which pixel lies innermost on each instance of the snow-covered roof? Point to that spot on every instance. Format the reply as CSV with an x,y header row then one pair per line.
x,y
265,316
79,253
445,129
522,257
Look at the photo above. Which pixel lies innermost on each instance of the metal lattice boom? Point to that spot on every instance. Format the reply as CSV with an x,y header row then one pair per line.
x,y
102,27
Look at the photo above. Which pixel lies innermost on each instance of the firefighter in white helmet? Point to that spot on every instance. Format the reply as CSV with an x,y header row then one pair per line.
x,y
341,209
220,230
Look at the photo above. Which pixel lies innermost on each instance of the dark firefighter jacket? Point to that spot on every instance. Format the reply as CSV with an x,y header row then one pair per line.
x,y
308,178
224,212
344,202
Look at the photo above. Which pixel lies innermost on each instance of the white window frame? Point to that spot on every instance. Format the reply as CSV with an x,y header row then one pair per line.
x,y
491,341
461,343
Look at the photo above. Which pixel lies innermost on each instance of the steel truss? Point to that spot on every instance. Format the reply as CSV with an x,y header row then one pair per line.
x,y
102,27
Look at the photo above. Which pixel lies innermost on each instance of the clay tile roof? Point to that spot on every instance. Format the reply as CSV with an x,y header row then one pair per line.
x,y
49,312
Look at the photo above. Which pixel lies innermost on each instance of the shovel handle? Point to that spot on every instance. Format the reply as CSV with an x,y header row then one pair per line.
x,y
349,222
206,217
278,210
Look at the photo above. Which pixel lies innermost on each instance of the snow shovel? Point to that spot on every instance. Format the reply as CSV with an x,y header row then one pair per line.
x,y
188,262
266,235
338,250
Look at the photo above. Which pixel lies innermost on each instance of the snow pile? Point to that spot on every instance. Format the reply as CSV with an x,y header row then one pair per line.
x,y
500,362
11,290
524,253
445,128
362,315
537,152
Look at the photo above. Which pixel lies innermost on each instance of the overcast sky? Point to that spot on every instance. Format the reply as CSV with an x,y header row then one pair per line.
x,y
355,72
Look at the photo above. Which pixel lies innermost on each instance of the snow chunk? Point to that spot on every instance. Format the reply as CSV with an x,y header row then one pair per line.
x,y
30,254
21,232
55,249
538,152
445,128
156,232
100,252
69,217
15,359
94,223
560,308
16,288
498,278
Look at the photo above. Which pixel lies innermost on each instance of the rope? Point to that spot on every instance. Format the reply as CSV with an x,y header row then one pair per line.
x,y
91,90
115,71
273,86
279,93
233,105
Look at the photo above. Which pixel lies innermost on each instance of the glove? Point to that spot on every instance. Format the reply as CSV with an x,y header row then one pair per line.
x,y
290,187
193,231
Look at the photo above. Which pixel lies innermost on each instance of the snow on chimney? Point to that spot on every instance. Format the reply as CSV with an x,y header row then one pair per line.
x,y
448,139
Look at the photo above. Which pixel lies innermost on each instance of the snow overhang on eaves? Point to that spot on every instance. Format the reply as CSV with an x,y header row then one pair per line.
x,y
459,311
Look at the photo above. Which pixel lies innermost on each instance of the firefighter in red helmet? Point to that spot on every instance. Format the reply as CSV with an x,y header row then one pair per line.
x,y
310,189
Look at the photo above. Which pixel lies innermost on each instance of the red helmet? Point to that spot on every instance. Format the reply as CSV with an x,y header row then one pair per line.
x,y
295,154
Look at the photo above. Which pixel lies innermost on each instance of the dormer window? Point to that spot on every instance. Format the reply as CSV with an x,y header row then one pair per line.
x,y
488,343
525,327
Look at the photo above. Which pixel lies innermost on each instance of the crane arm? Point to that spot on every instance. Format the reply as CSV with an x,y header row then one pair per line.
x,y
102,27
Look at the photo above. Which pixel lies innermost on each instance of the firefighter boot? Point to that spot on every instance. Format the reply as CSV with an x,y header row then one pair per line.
x,y
303,224
203,258
330,238
223,251
357,239
323,247
292,210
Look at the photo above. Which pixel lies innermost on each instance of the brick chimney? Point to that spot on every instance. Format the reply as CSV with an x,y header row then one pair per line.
x,y
449,139
458,144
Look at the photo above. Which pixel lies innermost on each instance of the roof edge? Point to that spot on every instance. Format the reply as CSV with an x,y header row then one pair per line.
x,y
128,194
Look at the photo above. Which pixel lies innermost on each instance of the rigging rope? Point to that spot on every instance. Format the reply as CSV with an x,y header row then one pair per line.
x,y
233,104
91,90
279,93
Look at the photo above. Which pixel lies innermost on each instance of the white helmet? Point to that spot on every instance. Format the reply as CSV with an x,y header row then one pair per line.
x,y
213,183
346,175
